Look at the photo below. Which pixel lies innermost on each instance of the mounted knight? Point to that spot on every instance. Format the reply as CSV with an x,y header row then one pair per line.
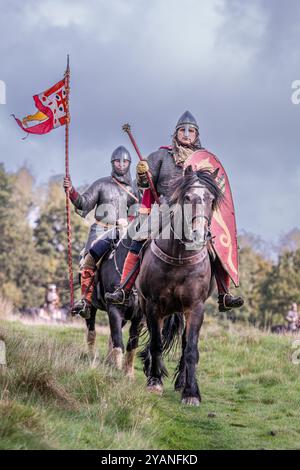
x,y
165,165
114,200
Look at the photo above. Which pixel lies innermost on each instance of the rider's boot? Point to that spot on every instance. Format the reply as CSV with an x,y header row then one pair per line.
x,y
130,272
226,300
83,306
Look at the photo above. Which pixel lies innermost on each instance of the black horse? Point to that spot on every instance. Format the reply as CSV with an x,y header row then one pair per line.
x,y
176,276
107,278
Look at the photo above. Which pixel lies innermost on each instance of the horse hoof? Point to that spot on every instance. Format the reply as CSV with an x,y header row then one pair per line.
x,y
191,401
157,389
117,358
91,342
129,364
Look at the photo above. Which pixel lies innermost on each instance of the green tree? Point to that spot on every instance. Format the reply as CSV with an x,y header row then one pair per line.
x,y
19,265
254,270
282,287
290,241
50,236
6,192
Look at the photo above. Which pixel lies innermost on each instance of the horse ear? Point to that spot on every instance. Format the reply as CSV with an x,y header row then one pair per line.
x,y
215,173
188,171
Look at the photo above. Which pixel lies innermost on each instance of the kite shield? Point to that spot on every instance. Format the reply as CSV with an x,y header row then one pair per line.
x,y
223,224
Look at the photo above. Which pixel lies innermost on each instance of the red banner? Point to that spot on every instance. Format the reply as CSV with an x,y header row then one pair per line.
x,y
51,105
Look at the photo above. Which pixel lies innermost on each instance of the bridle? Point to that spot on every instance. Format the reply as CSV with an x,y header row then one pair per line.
x,y
120,242
183,261
207,235
200,216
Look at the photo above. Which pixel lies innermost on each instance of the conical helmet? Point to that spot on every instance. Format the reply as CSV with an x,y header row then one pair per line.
x,y
121,153
187,120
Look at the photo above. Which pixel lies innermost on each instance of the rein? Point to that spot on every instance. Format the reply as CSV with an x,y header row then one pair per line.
x,y
180,261
120,242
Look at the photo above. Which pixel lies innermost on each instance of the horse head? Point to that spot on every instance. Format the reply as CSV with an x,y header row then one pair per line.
x,y
196,195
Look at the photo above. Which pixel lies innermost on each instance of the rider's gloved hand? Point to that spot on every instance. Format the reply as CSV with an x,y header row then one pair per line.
x,y
142,167
68,187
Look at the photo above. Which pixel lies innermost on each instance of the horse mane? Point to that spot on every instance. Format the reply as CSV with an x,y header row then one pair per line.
x,y
179,186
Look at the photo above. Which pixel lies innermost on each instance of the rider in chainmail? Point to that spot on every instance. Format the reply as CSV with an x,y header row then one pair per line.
x,y
113,198
165,164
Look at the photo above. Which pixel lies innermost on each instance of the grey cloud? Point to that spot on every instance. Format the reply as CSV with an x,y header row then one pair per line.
x,y
230,62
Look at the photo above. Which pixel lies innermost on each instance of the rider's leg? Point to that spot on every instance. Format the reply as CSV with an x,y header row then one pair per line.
x,y
130,272
82,306
131,261
226,300
87,277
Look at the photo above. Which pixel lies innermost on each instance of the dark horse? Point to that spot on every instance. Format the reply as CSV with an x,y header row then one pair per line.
x,y
176,276
108,276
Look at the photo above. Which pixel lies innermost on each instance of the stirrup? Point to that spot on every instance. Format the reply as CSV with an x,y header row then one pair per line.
x,y
222,303
83,308
236,302
113,297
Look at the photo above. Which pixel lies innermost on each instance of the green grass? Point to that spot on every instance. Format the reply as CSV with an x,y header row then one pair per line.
x,y
51,398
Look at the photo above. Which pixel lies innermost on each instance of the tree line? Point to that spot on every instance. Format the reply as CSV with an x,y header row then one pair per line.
x,y
33,252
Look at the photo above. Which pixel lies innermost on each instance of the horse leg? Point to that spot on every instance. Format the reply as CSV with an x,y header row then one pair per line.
x,y
115,323
157,368
191,393
181,370
91,332
133,341
109,346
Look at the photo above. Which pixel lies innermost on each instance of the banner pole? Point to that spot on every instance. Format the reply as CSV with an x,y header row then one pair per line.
x,y
67,172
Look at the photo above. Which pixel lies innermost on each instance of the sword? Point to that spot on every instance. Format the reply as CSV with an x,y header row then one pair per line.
x,y
126,128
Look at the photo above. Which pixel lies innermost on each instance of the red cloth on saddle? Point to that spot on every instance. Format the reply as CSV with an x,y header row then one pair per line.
x,y
147,201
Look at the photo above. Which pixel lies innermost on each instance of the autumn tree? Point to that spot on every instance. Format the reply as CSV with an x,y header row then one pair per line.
x,y
50,235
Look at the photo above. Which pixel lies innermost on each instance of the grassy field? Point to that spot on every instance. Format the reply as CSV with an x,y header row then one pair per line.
x,y
51,398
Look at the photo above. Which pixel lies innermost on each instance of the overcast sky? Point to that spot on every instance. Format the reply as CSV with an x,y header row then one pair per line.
x,y
230,62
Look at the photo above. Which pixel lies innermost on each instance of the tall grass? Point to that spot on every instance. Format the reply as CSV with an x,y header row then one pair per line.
x,y
51,396
49,385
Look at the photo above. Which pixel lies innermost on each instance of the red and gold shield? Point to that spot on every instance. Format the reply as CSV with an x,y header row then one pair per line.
x,y
223,225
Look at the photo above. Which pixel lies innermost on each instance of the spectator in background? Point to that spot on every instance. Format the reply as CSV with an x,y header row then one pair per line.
x,y
293,318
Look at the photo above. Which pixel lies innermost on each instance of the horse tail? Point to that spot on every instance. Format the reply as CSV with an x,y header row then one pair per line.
x,y
171,333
